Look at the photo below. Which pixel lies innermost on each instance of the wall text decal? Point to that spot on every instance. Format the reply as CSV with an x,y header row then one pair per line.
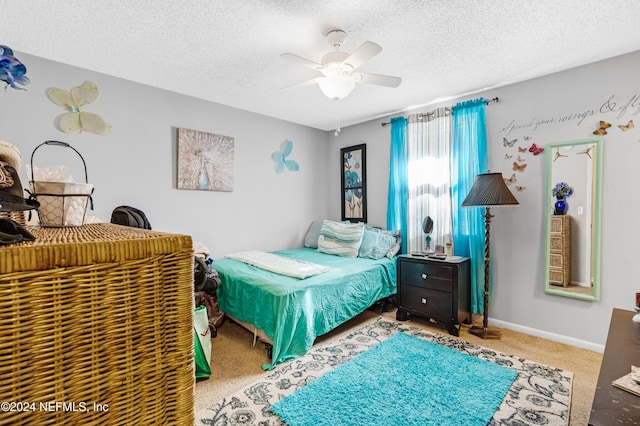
x,y
630,107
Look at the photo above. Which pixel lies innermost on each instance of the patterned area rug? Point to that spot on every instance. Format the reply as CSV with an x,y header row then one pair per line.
x,y
540,395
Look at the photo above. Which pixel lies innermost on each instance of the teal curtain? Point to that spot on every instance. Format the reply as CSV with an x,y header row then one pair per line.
x,y
469,158
398,196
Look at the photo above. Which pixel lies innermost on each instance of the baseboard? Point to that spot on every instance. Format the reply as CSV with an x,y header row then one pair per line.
x,y
549,336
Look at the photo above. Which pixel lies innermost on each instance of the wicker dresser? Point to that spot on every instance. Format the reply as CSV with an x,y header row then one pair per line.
x,y
560,250
96,328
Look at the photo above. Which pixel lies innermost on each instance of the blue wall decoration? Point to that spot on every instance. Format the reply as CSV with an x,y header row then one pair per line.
x,y
280,158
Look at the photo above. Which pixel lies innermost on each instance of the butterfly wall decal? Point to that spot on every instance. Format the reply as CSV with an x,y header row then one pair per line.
x,y
520,188
280,158
519,167
536,150
508,143
603,128
626,127
76,120
511,180
522,149
521,160
508,157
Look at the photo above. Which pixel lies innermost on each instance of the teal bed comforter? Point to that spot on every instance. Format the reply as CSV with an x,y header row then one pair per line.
x,y
292,311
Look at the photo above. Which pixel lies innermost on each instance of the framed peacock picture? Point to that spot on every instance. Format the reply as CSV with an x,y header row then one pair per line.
x,y
205,161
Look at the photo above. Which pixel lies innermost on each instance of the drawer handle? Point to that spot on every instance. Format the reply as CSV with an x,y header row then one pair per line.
x,y
425,276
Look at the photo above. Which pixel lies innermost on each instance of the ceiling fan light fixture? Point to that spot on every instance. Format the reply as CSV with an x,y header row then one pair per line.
x,y
337,68
336,86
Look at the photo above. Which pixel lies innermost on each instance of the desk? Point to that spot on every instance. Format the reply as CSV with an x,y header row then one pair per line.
x,y
611,405
96,328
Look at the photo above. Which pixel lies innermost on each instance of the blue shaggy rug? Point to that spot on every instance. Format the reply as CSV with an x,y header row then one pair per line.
x,y
402,381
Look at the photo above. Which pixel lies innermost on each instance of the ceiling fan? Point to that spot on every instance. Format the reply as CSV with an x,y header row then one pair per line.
x,y
338,68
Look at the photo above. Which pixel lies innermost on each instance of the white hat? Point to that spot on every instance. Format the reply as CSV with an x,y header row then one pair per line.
x,y
10,155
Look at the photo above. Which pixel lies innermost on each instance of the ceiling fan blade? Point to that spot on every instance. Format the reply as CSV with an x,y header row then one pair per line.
x,y
302,61
380,80
362,54
303,84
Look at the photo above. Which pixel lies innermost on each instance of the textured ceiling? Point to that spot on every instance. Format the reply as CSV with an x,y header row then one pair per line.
x,y
229,52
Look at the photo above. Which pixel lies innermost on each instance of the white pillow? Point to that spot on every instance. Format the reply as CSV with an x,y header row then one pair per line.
x,y
341,239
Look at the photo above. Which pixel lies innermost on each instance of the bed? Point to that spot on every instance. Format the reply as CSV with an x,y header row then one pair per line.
x,y
292,312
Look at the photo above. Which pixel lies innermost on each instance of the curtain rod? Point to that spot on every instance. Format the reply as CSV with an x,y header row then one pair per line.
x,y
496,99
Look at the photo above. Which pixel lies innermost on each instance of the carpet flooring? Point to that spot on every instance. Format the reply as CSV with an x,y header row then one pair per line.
x,y
236,362
540,394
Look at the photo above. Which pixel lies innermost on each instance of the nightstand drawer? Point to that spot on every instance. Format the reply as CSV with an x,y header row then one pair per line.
x,y
425,275
428,302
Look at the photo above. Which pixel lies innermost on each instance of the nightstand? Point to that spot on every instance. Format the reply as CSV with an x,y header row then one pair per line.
x,y
435,289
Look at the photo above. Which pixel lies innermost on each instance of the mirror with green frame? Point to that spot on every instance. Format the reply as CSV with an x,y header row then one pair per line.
x,y
573,218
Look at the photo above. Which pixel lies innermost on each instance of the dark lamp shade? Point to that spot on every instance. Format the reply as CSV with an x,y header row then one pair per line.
x,y
489,190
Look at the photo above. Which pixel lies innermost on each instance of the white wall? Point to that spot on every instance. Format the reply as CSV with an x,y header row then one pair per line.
x,y
560,107
136,163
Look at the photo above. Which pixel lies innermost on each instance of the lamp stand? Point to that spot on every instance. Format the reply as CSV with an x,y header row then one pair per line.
x,y
484,332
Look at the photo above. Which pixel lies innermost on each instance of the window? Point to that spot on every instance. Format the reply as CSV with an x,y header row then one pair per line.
x,y
429,179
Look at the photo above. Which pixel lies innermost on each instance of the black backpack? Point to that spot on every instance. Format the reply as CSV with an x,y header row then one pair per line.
x,y
130,216
205,277
205,283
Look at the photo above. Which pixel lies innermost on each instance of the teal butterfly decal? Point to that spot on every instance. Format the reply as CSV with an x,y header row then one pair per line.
x,y
280,158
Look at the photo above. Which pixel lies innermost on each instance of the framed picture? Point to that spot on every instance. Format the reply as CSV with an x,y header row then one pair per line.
x,y
354,186
205,161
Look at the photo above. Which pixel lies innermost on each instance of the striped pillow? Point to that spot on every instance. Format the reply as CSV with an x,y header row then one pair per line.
x,y
341,239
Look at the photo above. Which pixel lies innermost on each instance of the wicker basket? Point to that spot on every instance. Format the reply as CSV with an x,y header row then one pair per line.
x,y
100,314
18,217
61,203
